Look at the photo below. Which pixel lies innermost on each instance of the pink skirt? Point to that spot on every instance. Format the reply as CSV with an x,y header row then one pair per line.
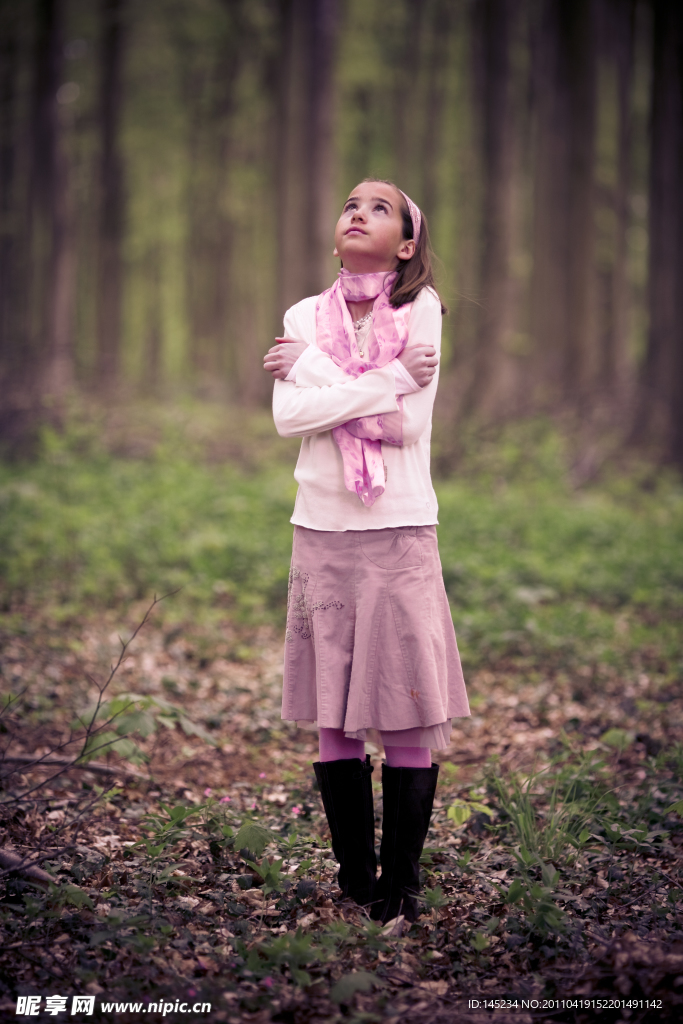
x,y
370,642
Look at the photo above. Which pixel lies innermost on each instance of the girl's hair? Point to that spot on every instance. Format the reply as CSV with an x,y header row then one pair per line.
x,y
416,273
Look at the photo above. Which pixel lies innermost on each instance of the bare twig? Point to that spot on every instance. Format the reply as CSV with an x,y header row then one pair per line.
x,y
90,728
114,668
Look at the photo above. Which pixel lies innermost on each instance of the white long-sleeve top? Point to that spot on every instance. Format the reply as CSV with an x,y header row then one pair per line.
x,y
324,396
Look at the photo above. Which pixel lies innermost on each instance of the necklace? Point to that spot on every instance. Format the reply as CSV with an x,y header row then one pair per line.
x,y
358,326
363,321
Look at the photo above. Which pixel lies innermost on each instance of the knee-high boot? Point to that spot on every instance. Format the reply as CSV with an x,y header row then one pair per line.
x,y
346,790
408,799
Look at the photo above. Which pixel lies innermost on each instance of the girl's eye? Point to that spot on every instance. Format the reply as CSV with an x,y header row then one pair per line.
x,y
349,206
382,207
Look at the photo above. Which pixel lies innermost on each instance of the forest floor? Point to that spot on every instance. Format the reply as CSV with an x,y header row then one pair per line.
x,y
169,818
552,888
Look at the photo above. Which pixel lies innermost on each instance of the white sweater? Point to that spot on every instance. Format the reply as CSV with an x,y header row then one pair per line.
x,y
323,397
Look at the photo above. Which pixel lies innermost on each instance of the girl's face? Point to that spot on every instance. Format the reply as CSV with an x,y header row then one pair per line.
x,y
369,234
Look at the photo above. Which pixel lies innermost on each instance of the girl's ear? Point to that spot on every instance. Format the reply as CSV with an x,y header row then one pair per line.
x,y
406,250
335,253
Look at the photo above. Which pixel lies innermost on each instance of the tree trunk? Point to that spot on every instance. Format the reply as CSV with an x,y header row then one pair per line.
x,y
578,34
59,370
50,229
306,171
209,85
661,409
153,333
112,199
564,232
615,358
494,32
15,407
549,313
441,27
407,110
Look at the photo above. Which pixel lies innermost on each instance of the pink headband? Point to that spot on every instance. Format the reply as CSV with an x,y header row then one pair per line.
x,y
415,216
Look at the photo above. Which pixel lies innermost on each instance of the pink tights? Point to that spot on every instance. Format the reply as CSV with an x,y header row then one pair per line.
x,y
334,746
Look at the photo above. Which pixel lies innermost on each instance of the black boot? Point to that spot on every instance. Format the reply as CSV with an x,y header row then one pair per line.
x,y
346,789
408,799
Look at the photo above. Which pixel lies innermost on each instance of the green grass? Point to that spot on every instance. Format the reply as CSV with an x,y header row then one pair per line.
x,y
534,571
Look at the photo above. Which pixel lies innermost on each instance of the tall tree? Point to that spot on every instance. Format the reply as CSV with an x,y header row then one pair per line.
x,y
564,230
406,57
153,313
212,54
549,311
440,35
618,28
50,233
13,236
112,194
493,73
578,35
661,409
306,166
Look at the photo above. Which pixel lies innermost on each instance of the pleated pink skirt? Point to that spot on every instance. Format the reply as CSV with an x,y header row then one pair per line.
x,y
370,642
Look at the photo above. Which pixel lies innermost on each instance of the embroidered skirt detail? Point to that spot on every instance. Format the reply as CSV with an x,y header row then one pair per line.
x,y
370,640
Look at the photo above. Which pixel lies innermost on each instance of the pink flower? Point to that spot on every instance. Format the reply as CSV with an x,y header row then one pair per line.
x,y
267,982
192,992
296,810
224,800
262,776
207,791
252,807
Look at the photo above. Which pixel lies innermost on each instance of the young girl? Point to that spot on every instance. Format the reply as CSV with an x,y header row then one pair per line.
x,y
369,640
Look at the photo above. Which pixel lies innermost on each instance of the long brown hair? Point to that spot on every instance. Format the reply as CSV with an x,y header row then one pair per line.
x,y
416,273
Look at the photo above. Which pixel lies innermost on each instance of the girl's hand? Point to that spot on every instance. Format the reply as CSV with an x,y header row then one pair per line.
x,y
280,359
420,361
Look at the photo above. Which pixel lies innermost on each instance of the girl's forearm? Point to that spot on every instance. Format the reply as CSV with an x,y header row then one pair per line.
x,y
301,411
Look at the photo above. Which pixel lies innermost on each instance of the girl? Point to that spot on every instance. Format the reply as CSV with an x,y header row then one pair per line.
x,y
369,640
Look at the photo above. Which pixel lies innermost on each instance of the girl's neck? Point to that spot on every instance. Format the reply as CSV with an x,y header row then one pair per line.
x,y
359,309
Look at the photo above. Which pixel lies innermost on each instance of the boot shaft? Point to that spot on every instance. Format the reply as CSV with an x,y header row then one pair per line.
x,y
346,791
408,795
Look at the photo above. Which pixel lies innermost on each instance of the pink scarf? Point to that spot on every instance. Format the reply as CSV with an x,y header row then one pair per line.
x,y
362,457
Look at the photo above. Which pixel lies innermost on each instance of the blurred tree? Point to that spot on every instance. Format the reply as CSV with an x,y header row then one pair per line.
x,y
17,400
51,258
660,412
199,170
493,31
152,370
563,247
112,194
615,44
305,171
577,20
212,51
38,253
440,32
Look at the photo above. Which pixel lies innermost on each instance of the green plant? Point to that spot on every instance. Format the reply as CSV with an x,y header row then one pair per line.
x,y
271,873
291,952
254,837
538,899
434,900
572,793
345,989
461,811
132,714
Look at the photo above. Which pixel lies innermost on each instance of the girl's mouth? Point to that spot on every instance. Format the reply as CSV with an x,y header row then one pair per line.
x,y
355,231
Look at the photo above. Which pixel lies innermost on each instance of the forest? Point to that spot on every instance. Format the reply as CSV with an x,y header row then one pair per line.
x,y
171,172
170,175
